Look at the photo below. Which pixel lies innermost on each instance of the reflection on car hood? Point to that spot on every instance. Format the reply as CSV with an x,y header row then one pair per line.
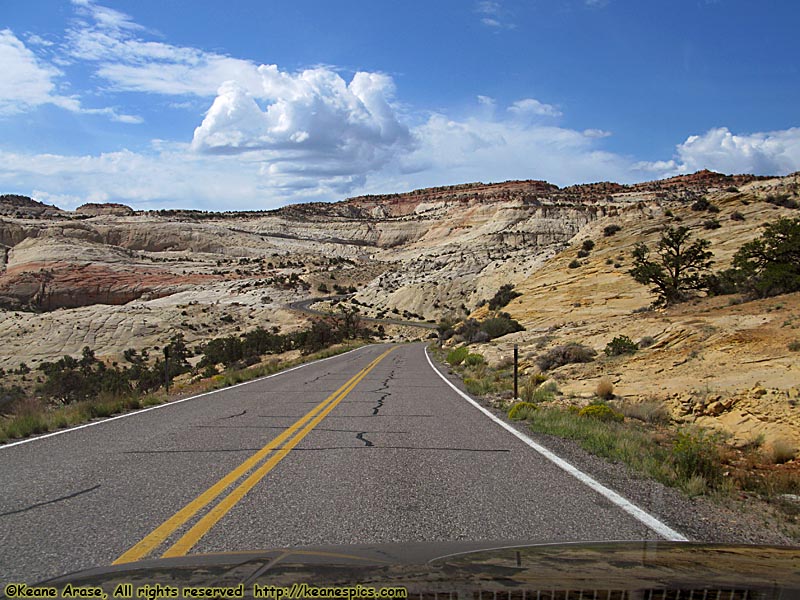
x,y
601,570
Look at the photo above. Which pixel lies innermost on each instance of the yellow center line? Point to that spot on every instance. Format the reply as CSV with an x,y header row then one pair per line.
x,y
159,535
204,525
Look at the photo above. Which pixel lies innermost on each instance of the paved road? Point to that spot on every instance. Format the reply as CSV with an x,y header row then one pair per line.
x,y
394,455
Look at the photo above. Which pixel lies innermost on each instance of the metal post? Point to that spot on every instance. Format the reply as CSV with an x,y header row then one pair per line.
x,y
516,366
166,368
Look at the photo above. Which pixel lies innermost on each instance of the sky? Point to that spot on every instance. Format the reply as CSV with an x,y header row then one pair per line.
x,y
251,105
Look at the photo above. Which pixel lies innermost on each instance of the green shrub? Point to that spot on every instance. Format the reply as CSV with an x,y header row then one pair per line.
x,y
24,425
701,204
782,200
565,354
500,325
10,395
711,224
583,253
621,344
610,230
533,391
478,386
601,412
737,216
695,454
457,355
587,245
473,360
521,410
574,264
209,371
794,346
503,296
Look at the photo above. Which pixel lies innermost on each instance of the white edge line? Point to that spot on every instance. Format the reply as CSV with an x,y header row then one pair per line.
x,y
173,402
629,507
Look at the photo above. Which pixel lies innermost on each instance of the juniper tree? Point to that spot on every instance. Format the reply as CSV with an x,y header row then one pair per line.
x,y
677,269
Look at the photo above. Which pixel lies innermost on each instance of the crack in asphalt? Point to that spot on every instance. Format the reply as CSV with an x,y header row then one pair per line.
x,y
38,504
361,437
379,405
317,378
384,386
232,416
370,416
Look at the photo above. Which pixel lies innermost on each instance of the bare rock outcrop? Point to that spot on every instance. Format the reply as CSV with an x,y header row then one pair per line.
x,y
108,208
23,207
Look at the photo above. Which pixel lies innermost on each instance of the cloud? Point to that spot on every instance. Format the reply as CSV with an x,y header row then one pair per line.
x,y
530,107
775,152
173,178
37,40
494,15
315,125
484,147
316,146
28,82
445,151
109,39
596,133
271,136
770,153
106,17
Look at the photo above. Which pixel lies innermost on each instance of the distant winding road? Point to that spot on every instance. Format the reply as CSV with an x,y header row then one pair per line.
x,y
304,306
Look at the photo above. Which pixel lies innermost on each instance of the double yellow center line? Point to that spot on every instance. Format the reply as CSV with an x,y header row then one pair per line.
x,y
282,445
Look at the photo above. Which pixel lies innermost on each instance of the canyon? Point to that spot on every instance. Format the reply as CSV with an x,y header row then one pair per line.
x,y
114,278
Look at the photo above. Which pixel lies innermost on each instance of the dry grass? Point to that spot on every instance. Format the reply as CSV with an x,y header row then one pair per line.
x,y
649,411
781,451
605,389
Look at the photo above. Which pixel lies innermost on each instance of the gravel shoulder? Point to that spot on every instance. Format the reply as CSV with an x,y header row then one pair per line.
x,y
701,519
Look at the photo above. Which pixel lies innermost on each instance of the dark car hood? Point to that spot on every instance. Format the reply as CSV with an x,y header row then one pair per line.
x,y
596,569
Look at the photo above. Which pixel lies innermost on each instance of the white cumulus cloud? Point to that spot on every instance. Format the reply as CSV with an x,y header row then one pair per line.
x,y
718,149
774,152
314,123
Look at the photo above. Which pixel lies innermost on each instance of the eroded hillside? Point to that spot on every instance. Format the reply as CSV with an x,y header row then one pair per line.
x,y
112,278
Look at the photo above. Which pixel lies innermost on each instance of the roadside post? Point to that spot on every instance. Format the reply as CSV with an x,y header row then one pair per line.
x,y
516,370
166,368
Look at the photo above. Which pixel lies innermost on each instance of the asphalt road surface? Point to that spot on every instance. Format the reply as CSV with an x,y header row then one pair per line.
x,y
372,446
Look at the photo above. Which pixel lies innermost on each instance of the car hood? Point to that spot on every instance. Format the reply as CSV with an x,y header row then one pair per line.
x,y
471,568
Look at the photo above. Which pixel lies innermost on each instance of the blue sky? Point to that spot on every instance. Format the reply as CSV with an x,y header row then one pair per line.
x,y
255,104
